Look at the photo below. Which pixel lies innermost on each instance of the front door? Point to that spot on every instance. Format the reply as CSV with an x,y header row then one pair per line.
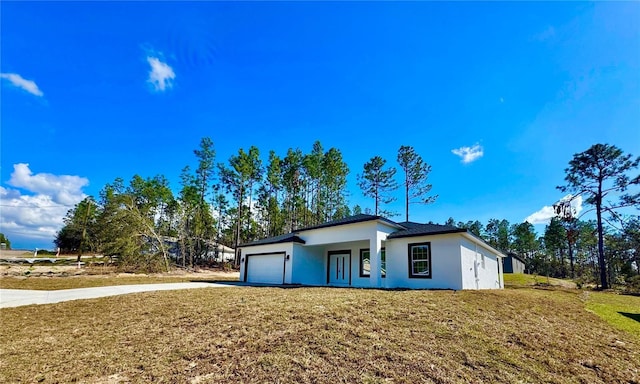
x,y
339,268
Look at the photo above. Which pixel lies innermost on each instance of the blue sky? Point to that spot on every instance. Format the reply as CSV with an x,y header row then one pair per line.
x,y
92,91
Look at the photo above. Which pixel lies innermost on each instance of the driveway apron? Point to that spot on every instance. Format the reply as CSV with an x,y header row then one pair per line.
x,y
19,297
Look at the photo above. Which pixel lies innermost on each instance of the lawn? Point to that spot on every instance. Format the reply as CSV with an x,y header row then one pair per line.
x,y
519,280
325,335
621,311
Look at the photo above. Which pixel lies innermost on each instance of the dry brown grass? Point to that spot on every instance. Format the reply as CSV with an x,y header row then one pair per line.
x,y
310,335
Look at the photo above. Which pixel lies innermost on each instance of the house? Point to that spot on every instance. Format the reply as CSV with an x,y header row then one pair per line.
x,y
372,251
513,264
216,252
221,253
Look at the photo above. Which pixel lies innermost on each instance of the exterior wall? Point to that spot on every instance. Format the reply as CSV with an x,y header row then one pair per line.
x,y
445,263
476,272
344,233
375,250
309,265
268,248
508,265
513,265
222,256
354,247
454,258
518,266
501,272
351,237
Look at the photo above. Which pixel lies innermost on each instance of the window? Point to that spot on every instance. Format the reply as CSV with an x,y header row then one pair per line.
x,y
365,263
420,260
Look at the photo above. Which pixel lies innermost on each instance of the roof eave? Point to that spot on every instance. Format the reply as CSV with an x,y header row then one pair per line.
x,y
294,239
391,223
483,243
379,219
444,232
515,256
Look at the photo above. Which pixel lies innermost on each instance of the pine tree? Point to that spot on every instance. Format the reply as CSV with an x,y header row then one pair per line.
x,y
416,173
596,173
377,182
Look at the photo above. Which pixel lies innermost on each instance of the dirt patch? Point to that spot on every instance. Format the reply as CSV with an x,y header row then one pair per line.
x,y
55,277
15,253
39,270
53,270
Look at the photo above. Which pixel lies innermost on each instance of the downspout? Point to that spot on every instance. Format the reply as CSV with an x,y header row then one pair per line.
x,y
500,272
475,266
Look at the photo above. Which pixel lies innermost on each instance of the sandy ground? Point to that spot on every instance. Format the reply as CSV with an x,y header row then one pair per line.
x,y
12,253
24,270
70,270
10,269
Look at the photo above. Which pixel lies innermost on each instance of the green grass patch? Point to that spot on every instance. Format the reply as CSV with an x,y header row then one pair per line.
x,y
621,311
519,280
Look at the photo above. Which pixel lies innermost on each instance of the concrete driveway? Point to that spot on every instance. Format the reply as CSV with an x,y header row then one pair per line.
x,y
19,297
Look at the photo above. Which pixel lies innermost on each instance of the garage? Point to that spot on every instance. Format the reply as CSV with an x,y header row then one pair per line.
x,y
265,268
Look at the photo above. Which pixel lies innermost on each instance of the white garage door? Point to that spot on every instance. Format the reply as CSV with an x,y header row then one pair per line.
x,y
265,268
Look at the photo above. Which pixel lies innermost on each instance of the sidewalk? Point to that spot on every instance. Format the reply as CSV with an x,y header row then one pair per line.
x,y
19,297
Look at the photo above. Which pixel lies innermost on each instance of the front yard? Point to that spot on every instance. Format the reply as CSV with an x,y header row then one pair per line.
x,y
309,335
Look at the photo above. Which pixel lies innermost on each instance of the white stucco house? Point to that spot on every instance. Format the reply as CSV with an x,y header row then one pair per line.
x,y
221,253
372,251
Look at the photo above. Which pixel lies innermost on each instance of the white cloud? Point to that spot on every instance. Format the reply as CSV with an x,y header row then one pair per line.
x,y
469,154
63,189
544,215
20,82
38,214
161,74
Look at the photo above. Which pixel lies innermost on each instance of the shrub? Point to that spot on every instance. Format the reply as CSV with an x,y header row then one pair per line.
x,y
633,284
579,282
44,252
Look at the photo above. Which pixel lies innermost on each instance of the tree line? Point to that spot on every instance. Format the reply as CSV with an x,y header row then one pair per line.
x,y
243,199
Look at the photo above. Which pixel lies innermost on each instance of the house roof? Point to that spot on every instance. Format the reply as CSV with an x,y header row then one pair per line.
x,y
286,238
515,256
350,220
224,248
417,229
293,237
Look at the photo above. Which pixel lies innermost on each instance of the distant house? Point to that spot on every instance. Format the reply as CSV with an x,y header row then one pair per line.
x,y
372,251
221,253
217,252
513,264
